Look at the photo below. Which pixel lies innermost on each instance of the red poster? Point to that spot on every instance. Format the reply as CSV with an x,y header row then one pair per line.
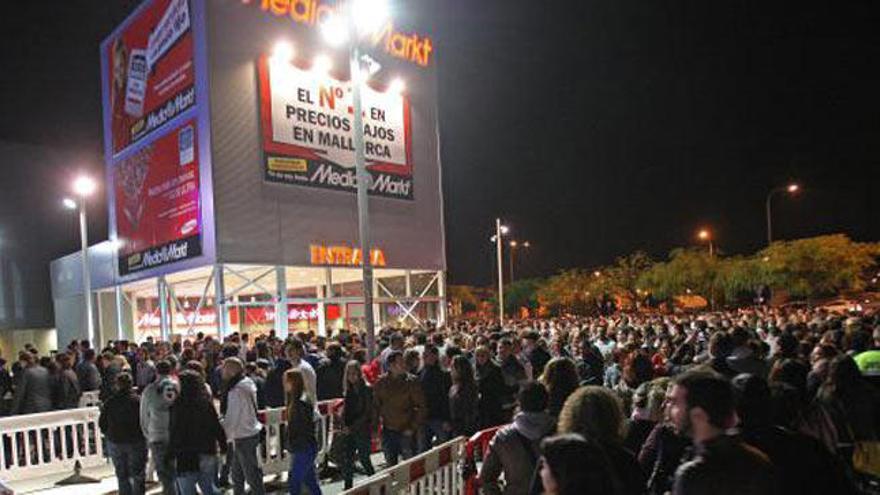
x,y
150,71
157,202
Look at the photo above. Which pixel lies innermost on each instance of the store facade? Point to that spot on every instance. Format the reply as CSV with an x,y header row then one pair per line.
x,y
230,184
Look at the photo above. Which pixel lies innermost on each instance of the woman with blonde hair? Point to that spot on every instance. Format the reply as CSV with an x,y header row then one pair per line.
x,y
560,378
301,440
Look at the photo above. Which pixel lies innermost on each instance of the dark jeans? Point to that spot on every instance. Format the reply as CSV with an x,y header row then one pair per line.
x,y
164,467
432,434
302,471
356,443
396,445
246,466
204,477
129,462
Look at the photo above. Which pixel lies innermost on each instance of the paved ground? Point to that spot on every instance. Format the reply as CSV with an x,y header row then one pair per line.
x,y
107,484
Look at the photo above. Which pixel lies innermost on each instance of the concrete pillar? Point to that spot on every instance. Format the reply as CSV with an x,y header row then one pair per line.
x,y
164,314
281,326
220,302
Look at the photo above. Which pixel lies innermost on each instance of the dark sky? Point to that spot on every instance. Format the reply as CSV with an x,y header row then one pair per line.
x,y
593,127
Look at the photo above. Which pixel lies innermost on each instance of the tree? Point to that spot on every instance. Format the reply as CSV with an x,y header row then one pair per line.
x,y
521,294
624,277
818,266
465,296
687,271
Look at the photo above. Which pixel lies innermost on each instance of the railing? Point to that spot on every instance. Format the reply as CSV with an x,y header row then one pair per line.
x,y
34,445
274,456
433,472
90,399
477,444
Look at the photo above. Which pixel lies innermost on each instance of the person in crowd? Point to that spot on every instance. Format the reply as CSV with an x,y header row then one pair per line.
x,y
464,413
196,436
572,465
514,373
33,392
238,405
331,373
275,382
87,372
144,369
255,373
301,440
701,406
802,464
435,382
560,378
493,389
534,352
120,423
515,449
720,349
647,412
296,352
358,419
400,403
597,414
65,388
155,420
853,406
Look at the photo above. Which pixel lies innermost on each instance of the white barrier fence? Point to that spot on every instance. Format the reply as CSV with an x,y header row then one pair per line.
x,y
34,445
90,399
435,472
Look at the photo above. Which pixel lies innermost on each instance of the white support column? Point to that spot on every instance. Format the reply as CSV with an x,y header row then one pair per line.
x,y
220,302
281,326
321,292
164,320
377,309
441,292
120,303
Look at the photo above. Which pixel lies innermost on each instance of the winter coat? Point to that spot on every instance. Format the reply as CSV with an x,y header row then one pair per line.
x,y
436,383
239,407
65,393
195,430
400,402
493,392
725,466
34,392
508,454
358,413
89,377
301,427
464,410
275,383
330,375
120,418
155,412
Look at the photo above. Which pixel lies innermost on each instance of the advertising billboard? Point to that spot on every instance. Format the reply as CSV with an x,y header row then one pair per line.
x,y
150,72
157,201
307,127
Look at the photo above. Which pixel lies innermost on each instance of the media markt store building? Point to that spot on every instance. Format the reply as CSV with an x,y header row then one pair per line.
x,y
230,176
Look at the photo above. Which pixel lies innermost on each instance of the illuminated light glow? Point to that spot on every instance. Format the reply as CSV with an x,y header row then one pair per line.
x,y
512,243
793,188
411,47
704,234
504,229
69,203
369,15
397,86
283,52
84,186
334,30
343,256
322,64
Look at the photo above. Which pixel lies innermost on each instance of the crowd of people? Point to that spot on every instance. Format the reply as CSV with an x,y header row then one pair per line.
x,y
748,401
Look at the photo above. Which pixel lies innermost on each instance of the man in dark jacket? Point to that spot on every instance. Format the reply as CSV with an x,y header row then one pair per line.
x,y
701,406
120,423
330,373
493,390
275,383
66,392
87,372
33,393
803,465
436,383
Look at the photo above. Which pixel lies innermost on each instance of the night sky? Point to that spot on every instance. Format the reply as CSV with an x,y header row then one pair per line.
x,y
594,128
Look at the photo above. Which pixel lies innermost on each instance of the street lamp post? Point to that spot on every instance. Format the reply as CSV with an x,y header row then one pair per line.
x,y
498,255
83,187
706,236
791,189
513,247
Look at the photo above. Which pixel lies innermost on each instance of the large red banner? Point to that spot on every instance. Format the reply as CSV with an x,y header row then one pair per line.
x,y
150,72
157,202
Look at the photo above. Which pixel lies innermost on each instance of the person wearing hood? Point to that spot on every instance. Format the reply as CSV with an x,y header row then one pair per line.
x,y
125,441
515,450
238,405
155,416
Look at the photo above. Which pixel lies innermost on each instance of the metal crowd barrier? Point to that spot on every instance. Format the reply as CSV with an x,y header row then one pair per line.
x,y
435,471
35,445
477,447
